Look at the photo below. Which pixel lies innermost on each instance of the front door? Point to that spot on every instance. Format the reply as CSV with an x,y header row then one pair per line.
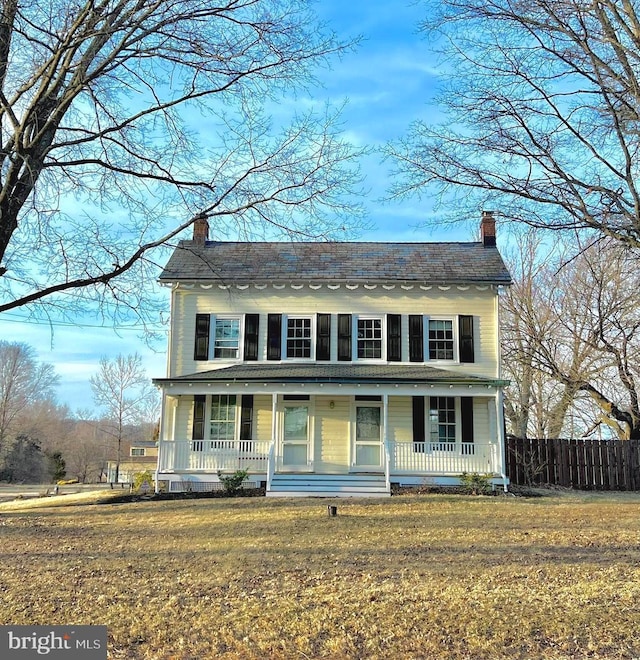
x,y
367,444
296,438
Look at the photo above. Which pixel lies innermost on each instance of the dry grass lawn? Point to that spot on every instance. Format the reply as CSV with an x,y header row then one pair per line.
x,y
433,576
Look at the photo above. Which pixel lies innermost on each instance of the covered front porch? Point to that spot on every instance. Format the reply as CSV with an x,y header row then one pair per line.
x,y
403,463
328,437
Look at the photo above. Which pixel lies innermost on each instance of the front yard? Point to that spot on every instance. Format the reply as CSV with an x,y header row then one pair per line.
x,y
431,576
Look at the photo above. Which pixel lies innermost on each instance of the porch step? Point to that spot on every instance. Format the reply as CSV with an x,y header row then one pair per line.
x,y
327,485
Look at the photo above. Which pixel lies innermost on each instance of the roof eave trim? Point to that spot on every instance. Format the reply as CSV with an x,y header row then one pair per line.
x,y
483,382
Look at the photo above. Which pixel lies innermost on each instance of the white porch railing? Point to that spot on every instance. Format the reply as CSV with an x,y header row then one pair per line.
x,y
444,458
399,458
211,456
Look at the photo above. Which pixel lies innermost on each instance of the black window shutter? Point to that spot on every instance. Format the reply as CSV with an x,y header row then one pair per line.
x,y
466,413
416,338
274,336
344,337
418,423
201,350
465,331
323,337
197,432
251,326
394,342
246,421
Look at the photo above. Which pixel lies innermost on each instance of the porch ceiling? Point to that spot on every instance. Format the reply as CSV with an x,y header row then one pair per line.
x,y
332,373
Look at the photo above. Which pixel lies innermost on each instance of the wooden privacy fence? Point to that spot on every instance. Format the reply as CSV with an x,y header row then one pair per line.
x,y
582,463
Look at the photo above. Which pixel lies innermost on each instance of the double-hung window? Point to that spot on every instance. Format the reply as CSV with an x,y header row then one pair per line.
x,y
441,339
442,423
218,337
299,337
226,340
369,339
222,425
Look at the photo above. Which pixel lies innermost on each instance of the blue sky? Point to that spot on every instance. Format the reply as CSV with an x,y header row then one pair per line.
x,y
387,82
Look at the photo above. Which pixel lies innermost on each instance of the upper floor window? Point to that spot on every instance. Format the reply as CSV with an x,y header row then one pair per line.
x,y
299,337
227,338
345,337
370,339
441,339
137,451
221,337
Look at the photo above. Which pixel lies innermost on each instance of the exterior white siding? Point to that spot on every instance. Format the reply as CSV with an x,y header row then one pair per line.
x,y
448,303
262,418
184,418
400,419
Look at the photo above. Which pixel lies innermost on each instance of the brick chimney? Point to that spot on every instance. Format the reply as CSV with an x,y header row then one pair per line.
x,y
488,229
200,230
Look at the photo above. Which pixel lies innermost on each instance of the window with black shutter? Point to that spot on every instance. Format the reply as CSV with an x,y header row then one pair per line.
x,y
323,337
344,337
416,338
394,341
201,350
274,336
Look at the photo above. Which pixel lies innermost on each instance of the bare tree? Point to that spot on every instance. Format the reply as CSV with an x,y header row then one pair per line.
x,y
536,403
541,115
24,382
86,450
603,299
571,341
123,390
122,121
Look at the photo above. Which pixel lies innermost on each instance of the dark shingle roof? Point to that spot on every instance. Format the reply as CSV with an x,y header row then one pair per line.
x,y
414,262
330,373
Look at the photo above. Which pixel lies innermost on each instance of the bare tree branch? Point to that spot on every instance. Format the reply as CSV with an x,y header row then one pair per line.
x,y
120,122
542,115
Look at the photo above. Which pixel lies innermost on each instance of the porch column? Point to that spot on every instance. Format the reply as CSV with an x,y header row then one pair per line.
x,y
273,451
385,440
274,410
501,436
174,416
169,405
161,432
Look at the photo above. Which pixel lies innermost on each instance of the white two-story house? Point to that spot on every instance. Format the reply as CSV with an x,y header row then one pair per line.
x,y
333,368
